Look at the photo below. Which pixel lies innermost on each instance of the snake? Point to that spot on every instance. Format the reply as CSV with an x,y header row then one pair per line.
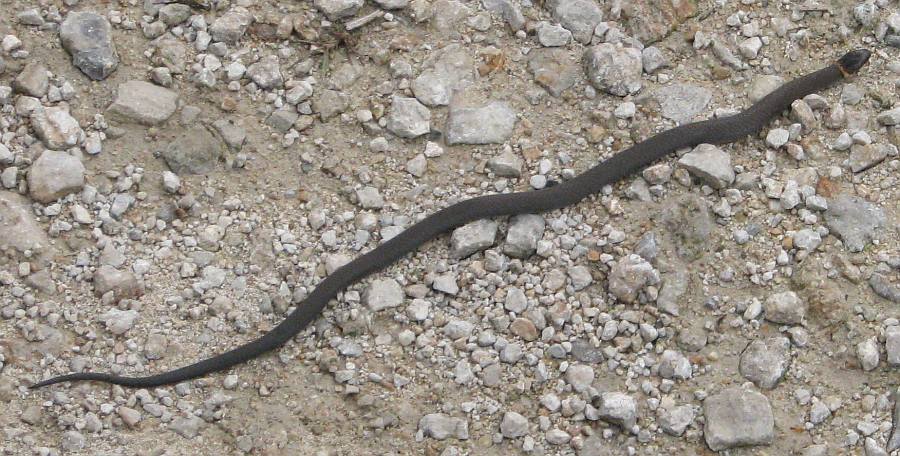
x,y
720,130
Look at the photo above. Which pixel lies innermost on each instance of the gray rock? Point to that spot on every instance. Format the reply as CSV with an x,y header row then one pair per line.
x,y
892,345
579,16
72,441
807,239
57,128
457,329
446,283
507,164
382,294
31,16
750,47
516,301
785,308
174,13
512,353
283,119
873,448
509,11
868,354
156,345
417,165
553,69
550,35
889,118
765,361
231,26
32,80
513,425
187,427
338,9
440,426
123,284
196,151
692,338
580,377
854,220
882,287
619,409
9,177
674,366
172,54
675,420
54,175
580,276
369,198
776,138
329,103
121,203
266,74
472,238
653,59
418,310
170,181
737,418
448,14
19,229
299,93
682,102
674,285
863,157
408,118
557,437
32,415
647,247
866,13
614,70
710,164
724,54
392,4
233,135
803,113
118,321
629,276
851,94
87,37
524,232
818,411
144,103
762,86
445,71
492,123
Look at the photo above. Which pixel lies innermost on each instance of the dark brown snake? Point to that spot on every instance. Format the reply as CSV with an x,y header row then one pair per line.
x,y
713,131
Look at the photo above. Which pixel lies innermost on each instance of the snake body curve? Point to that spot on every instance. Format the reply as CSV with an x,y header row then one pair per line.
x,y
623,164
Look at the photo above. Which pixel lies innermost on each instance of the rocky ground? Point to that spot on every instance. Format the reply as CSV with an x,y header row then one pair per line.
x,y
176,177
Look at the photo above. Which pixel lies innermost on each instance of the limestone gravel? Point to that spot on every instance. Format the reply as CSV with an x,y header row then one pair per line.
x,y
231,158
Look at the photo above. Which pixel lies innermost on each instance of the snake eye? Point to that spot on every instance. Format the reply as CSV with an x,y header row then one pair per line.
x,y
852,61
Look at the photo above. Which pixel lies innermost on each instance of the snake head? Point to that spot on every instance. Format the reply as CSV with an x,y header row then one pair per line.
x,y
852,61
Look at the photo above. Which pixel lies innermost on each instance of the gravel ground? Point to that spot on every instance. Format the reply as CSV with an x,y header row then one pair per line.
x,y
176,177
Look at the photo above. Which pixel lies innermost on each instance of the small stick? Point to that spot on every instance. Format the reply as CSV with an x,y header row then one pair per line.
x,y
361,21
